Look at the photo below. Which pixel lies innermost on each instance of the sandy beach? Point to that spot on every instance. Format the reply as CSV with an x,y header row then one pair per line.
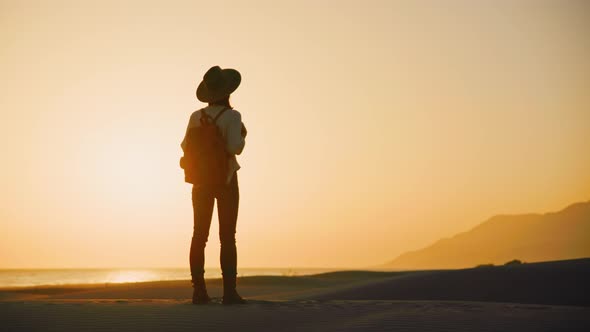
x,y
530,297
173,315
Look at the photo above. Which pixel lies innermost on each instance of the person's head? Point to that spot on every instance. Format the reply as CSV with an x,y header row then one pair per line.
x,y
217,85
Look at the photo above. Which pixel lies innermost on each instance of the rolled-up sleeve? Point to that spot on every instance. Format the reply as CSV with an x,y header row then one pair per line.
x,y
235,140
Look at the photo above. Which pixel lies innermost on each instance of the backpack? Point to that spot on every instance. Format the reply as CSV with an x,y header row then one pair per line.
x,y
205,160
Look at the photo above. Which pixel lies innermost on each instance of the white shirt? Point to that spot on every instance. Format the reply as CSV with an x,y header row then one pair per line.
x,y
230,125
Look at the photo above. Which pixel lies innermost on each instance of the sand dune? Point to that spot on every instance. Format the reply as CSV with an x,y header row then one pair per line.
x,y
558,283
529,297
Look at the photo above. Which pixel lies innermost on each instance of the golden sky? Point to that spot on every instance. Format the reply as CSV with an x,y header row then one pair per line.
x,y
374,127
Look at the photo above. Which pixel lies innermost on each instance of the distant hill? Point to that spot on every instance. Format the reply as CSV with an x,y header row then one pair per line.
x,y
528,237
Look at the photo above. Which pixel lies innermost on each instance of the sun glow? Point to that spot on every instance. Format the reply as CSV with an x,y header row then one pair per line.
x,y
131,276
130,166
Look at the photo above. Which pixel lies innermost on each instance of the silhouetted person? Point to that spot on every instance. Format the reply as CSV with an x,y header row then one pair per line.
x,y
214,136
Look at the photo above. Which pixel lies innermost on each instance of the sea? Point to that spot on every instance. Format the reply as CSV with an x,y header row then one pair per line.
x,y
16,278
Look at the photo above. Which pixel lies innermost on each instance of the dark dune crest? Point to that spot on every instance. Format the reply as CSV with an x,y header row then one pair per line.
x,y
555,283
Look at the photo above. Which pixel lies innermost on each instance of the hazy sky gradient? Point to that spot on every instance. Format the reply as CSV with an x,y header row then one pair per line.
x,y
375,127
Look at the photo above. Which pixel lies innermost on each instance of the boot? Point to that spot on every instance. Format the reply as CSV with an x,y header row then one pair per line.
x,y
200,295
230,295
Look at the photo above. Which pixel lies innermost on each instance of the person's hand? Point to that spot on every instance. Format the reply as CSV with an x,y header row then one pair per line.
x,y
244,131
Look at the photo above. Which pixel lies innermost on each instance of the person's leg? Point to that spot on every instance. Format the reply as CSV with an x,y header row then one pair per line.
x,y
203,201
227,207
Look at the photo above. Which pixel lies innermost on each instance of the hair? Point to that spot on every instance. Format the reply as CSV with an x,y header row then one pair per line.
x,y
221,102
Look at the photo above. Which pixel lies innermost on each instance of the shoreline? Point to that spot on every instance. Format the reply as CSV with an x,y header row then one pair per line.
x,y
23,278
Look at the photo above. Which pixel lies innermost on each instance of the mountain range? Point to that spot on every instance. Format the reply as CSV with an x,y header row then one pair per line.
x,y
528,237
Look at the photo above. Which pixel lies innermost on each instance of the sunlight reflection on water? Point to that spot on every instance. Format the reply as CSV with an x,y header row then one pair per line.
x,y
131,276
41,277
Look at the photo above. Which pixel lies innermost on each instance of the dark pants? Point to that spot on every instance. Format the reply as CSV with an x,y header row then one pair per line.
x,y
228,198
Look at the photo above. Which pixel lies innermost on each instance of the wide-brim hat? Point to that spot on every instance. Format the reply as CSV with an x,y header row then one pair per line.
x,y
218,83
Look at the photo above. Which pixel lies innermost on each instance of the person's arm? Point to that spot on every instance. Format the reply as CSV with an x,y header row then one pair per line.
x,y
190,122
235,140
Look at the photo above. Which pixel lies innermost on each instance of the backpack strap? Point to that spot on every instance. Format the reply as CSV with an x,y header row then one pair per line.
x,y
219,114
205,116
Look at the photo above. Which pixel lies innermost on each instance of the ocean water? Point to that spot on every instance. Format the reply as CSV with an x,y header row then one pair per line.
x,y
10,278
